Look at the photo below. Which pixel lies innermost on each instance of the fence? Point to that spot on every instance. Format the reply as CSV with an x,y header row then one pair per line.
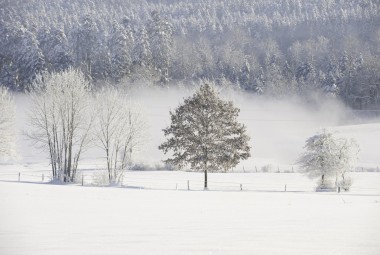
x,y
157,182
260,182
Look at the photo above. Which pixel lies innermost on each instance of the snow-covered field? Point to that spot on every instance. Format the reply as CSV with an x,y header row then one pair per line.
x,y
154,213
69,219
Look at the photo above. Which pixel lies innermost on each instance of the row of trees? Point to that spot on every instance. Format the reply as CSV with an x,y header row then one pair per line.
x,y
279,49
67,118
112,55
204,134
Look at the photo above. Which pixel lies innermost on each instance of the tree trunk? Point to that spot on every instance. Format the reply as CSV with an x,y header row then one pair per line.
x,y
205,179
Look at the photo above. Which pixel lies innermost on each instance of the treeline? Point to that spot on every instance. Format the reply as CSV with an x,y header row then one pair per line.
x,y
277,48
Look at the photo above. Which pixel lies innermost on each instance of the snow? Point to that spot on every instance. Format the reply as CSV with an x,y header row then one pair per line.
x,y
68,219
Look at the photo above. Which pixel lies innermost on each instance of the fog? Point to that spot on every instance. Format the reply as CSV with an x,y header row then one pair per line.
x,y
278,128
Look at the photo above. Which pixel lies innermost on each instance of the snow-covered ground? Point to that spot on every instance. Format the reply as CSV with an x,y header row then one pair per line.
x,y
66,219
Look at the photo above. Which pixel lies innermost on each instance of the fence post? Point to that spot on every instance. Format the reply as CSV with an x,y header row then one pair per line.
x,y
241,186
188,185
19,176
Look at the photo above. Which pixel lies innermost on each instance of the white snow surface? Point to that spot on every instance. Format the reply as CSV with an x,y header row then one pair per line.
x,y
39,218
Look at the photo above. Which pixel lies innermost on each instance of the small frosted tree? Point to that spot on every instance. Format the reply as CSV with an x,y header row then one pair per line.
x,y
118,130
205,134
7,122
60,120
328,157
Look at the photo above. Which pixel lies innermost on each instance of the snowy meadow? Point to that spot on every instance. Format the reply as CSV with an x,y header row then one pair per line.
x,y
62,219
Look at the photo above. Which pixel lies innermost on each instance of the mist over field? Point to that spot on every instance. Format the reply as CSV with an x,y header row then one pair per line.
x,y
278,127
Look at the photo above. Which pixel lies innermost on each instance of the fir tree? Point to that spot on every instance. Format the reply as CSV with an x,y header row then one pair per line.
x,y
161,42
142,55
120,44
86,43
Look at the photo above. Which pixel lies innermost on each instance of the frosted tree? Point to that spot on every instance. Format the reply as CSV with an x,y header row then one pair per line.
x,y
161,41
329,158
21,59
185,64
120,45
259,82
55,47
274,82
60,120
205,134
346,160
11,37
7,124
101,67
204,58
245,75
142,55
306,77
118,130
86,43
31,61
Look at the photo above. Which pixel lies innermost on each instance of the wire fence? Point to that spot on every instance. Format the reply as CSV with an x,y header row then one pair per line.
x,y
156,182
138,180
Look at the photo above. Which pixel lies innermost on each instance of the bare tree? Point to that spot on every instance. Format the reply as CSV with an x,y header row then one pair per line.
x,y
7,121
60,120
118,130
